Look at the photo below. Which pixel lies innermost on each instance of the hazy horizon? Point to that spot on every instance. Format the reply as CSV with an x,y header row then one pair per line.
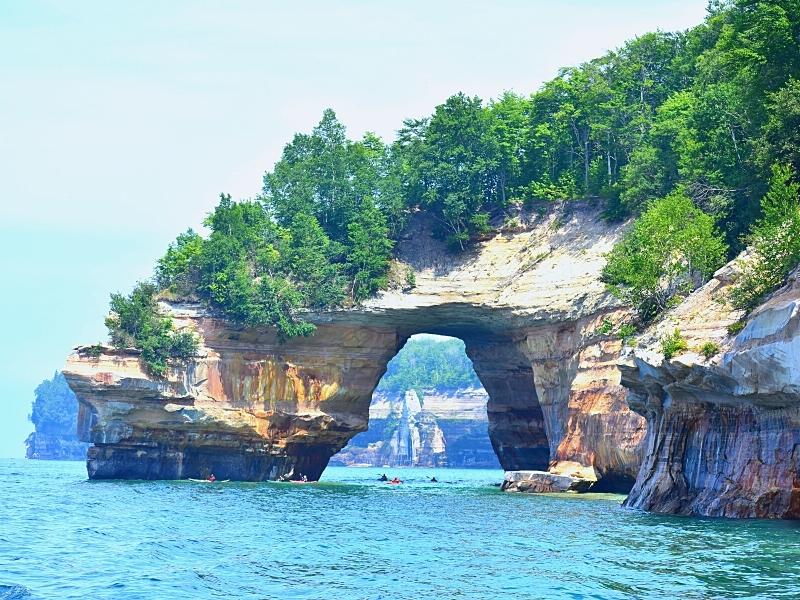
x,y
123,123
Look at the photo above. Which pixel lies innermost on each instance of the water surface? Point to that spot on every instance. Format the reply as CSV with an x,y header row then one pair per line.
x,y
351,537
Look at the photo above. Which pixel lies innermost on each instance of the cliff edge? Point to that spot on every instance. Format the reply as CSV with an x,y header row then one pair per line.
x,y
723,431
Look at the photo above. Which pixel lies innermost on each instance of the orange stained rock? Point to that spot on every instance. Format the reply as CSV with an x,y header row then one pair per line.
x,y
104,377
216,389
262,425
297,382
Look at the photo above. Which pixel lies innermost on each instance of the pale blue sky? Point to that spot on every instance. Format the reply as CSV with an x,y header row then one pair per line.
x,y
121,122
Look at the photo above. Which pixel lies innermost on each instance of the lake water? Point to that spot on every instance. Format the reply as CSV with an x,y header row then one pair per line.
x,y
350,537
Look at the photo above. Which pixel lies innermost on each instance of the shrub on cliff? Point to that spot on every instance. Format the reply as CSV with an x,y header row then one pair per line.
x,y
671,249
134,322
673,344
709,350
774,243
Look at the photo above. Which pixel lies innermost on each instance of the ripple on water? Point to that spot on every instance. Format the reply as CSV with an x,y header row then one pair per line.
x,y
350,537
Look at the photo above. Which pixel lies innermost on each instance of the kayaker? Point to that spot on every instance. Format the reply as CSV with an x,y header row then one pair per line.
x,y
383,478
395,480
211,478
434,480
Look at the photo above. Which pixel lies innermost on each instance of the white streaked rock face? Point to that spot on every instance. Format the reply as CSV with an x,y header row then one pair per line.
x,y
723,432
527,305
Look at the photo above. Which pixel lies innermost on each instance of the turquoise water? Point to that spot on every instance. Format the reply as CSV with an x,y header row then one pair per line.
x,y
350,537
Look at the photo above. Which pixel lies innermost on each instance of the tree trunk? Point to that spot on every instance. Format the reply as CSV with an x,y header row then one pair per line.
x,y
586,165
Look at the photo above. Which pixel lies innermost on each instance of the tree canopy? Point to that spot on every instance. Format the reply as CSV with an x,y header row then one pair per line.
x,y
55,408
689,121
426,363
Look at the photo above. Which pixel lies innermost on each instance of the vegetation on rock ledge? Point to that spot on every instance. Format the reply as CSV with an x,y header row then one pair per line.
x,y
134,322
679,130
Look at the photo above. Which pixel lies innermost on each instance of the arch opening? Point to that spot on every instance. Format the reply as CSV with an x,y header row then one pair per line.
x,y
435,407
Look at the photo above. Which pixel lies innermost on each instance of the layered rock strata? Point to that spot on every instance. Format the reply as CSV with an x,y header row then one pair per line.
x,y
41,445
449,428
248,407
724,432
528,306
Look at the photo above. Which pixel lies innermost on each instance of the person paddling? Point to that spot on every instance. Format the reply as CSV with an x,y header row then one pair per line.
x,y
395,480
383,478
211,478
434,480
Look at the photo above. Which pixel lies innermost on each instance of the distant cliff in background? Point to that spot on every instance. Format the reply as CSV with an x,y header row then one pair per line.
x,y
54,414
437,428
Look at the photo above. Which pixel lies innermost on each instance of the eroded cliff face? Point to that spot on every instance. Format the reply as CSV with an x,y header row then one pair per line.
x,y
248,407
724,432
527,305
448,428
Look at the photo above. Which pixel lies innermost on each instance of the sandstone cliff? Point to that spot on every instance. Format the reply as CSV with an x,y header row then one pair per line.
x,y
449,430
48,446
724,432
527,304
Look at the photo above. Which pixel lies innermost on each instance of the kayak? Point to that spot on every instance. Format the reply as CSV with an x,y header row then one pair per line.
x,y
296,481
207,481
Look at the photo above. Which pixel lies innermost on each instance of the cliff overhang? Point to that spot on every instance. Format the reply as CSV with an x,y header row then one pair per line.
x,y
724,431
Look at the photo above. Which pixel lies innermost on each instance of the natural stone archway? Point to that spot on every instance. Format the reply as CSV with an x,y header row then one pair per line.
x,y
516,421
528,306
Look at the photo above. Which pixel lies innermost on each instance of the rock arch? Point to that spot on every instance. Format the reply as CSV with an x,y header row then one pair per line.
x,y
528,304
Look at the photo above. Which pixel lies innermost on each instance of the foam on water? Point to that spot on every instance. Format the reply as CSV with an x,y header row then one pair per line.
x,y
351,537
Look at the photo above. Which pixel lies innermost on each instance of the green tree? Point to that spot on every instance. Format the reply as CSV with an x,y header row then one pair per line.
x,y
671,249
780,135
135,322
429,363
508,126
774,243
319,282
177,269
369,253
455,164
